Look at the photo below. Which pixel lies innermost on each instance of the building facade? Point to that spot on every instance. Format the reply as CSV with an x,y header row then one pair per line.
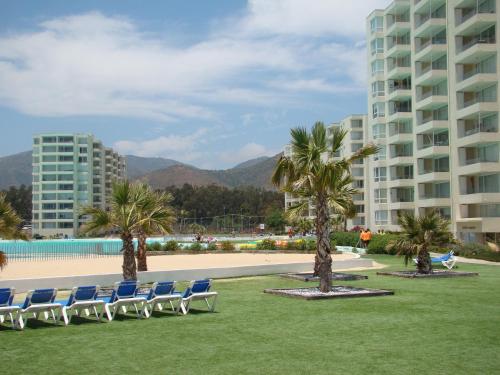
x,y
70,171
355,139
433,110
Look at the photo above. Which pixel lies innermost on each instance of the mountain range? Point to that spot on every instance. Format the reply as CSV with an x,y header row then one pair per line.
x,y
15,170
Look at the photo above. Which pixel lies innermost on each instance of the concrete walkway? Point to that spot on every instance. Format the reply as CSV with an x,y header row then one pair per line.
x,y
477,261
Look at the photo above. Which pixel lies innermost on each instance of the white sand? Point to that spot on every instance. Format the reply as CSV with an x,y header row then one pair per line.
x,y
48,268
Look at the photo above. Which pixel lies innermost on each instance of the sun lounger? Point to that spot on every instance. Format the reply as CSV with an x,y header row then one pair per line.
x,y
160,293
198,290
40,301
82,299
7,309
447,260
123,297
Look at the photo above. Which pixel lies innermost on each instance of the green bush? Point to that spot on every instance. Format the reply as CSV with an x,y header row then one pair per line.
x,y
212,246
196,246
171,246
266,244
345,238
477,251
379,243
227,246
155,246
310,245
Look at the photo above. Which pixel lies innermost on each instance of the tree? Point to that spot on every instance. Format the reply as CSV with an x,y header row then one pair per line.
x,y
122,217
20,200
303,225
155,215
419,235
275,220
313,175
9,225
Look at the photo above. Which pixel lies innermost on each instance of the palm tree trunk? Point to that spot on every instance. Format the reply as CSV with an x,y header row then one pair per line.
x,y
142,263
323,259
129,267
424,262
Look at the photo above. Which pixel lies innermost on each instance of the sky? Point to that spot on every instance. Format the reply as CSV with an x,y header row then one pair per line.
x,y
208,83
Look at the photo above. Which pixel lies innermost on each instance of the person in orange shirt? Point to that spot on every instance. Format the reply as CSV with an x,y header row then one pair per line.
x,y
368,236
362,237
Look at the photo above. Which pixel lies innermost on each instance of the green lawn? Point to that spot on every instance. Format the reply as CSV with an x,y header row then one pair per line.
x,y
439,326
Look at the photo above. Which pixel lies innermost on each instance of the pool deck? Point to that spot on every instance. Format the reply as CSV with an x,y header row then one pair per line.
x,y
101,266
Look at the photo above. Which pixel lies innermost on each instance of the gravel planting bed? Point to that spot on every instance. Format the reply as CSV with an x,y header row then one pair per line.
x,y
336,276
434,274
337,291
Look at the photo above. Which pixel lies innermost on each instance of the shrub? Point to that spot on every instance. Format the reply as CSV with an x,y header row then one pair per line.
x,y
477,251
212,246
196,246
227,246
266,244
171,246
379,243
345,238
155,246
310,245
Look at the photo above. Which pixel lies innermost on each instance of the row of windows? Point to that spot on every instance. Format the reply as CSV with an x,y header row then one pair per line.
x,y
53,206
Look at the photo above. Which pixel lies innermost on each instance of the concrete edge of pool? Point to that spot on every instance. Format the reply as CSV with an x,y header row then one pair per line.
x,y
67,282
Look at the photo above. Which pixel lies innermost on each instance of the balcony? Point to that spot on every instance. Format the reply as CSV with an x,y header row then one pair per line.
x,y
429,26
426,176
429,101
398,50
431,49
475,48
469,20
399,93
430,76
424,5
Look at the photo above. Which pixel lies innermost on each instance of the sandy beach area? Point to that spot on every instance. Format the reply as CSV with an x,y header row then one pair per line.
x,y
69,267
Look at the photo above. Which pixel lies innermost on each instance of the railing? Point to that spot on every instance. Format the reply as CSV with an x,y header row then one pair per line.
x,y
51,250
479,160
471,12
477,40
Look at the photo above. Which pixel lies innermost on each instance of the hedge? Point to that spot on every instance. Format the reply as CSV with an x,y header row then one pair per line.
x,y
477,251
379,242
345,238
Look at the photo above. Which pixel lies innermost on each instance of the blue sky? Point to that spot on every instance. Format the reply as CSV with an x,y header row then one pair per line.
x,y
210,83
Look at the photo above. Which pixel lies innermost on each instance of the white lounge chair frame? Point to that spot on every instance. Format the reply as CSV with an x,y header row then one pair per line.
x,y
124,303
54,308
10,311
205,296
79,306
158,301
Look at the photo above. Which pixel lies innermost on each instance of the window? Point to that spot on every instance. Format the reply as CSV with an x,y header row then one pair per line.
x,y
380,195
49,215
381,154
381,217
82,159
49,168
377,67
65,139
65,206
65,225
49,225
65,215
358,184
48,206
65,177
360,208
377,24
378,110
49,177
49,158
46,187
49,149
64,158
65,167
49,197
65,149
380,174
65,186
378,88
49,139
377,46
378,131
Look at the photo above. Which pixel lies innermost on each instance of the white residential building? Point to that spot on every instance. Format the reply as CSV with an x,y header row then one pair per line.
x,y
433,109
70,171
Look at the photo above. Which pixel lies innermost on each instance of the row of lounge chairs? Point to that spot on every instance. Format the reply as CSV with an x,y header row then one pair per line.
x,y
86,300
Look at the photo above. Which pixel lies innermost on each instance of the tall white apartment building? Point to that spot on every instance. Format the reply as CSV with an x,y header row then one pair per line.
x,y
355,139
70,171
433,109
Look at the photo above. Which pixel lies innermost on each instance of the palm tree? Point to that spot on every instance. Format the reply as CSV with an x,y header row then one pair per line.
x,y
419,235
122,217
155,215
349,213
9,225
303,225
312,173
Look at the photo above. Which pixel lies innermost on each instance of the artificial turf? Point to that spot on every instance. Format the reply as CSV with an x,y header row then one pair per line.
x,y
434,326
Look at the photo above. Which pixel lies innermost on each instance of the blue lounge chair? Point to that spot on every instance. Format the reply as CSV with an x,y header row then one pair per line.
x,y
162,292
82,299
7,309
198,290
40,301
447,260
123,297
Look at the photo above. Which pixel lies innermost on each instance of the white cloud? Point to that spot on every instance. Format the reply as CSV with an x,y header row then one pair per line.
x,y
247,152
313,18
182,148
94,64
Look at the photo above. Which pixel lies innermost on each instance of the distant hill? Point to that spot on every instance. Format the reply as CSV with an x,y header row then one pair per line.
x,y
15,170
253,173
138,166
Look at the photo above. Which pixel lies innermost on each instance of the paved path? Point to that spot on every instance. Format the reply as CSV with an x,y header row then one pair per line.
x,y
477,261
